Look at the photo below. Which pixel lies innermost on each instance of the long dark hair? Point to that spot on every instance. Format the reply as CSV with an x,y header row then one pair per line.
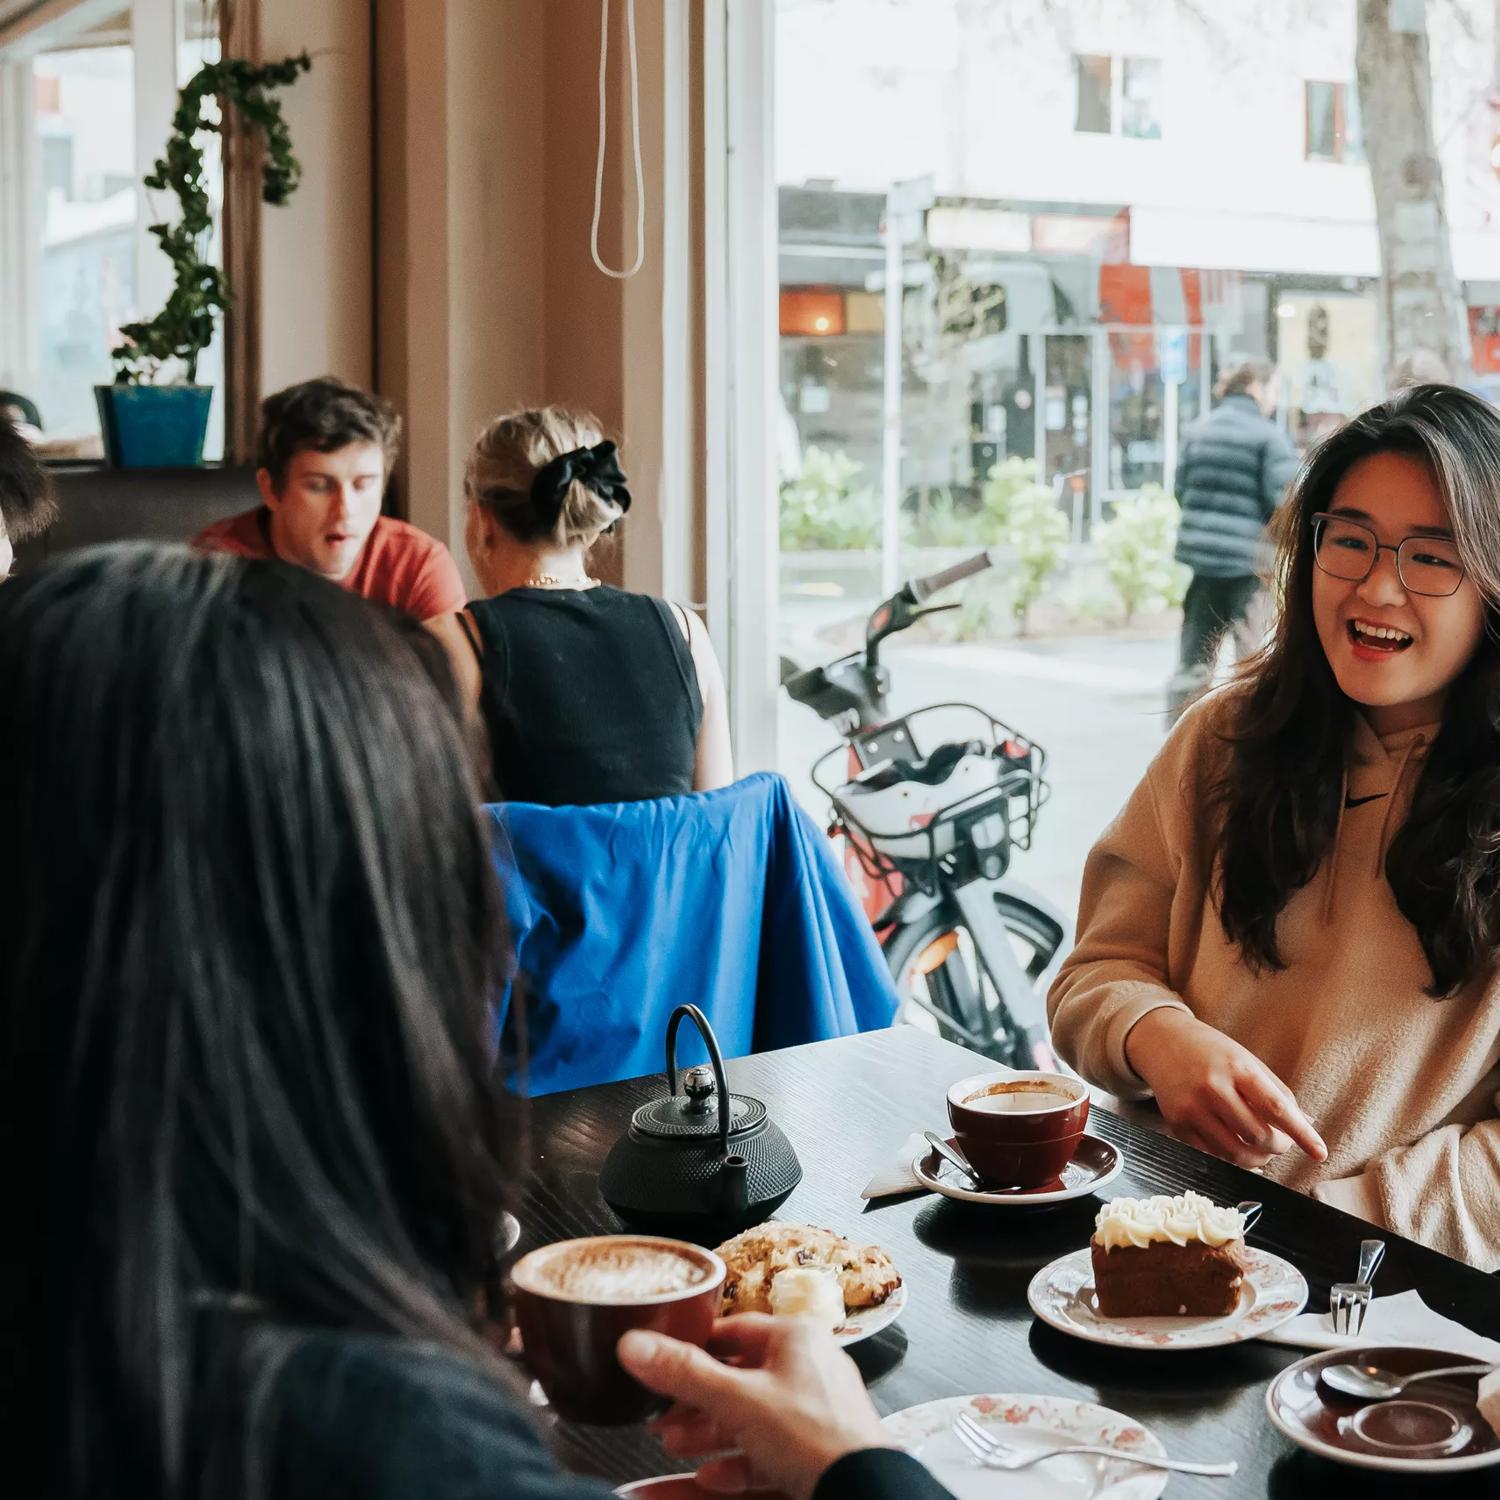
x,y
1279,797
250,934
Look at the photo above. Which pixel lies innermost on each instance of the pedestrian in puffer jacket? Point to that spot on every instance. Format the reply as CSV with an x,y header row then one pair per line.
x,y
1232,473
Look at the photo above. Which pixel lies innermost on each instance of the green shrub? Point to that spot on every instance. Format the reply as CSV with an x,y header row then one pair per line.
x,y
1136,544
943,522
1006,479
1038,532
825,506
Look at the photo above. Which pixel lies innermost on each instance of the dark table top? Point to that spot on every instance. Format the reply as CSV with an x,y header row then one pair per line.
x,y
847,1106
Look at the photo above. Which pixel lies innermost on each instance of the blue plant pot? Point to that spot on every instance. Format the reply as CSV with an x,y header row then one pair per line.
x,y
154,426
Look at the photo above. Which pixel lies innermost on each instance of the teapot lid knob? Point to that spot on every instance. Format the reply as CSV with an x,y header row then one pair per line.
x,y
698,1084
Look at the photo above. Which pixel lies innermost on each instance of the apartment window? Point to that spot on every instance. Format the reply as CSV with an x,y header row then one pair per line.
x,y
1094,77
1333,129
1140,102
1118,96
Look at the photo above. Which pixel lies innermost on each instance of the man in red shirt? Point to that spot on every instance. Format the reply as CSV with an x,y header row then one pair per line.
x,y
324,452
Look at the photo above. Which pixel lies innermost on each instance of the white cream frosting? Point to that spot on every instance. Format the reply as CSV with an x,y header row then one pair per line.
x,y
808,1292
1154,1221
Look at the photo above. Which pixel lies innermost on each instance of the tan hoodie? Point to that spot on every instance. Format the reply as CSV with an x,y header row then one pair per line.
x,y
1402,1087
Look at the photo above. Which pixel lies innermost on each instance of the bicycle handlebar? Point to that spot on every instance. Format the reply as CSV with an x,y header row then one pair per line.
x,y
922,589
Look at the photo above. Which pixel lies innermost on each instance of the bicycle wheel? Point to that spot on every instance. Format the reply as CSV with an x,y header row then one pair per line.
x,y
941,982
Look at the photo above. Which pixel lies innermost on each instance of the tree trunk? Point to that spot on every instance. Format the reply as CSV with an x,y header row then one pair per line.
x,y
1421,303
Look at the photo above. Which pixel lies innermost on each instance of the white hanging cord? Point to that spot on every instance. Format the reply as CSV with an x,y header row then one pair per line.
x,y
635,129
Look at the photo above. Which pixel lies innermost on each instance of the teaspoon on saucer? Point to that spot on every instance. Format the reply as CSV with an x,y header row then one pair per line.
x,y
1371,1383
948,1154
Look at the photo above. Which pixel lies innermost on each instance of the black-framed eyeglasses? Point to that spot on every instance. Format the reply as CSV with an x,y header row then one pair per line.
x,y
1348,549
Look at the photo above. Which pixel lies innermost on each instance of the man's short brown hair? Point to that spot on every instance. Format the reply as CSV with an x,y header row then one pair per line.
x,y
322,415
26,504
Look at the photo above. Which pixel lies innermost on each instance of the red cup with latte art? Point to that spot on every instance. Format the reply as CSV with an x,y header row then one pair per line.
x,y
574,1300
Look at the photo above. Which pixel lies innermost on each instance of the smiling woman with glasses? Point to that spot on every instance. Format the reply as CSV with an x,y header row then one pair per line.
x,y
1291,935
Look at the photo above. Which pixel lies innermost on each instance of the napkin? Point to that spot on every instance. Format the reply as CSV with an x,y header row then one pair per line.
x,y
1403,1318
895,1174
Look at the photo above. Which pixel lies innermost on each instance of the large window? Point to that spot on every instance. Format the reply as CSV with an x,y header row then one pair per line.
x,y
94,102
1000,320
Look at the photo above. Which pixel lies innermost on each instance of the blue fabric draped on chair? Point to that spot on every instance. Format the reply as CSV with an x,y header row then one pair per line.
x,y
730,899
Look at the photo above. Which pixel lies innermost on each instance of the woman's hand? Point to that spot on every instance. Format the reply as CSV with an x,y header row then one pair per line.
x,y
1215,1094
789,1400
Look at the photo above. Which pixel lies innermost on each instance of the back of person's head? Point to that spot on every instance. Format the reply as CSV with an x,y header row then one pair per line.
x,y
20,408
26,505
515,449
252,932
323,415
1243,378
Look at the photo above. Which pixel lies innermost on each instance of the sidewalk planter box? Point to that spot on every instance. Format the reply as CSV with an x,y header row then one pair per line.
x,y
153,426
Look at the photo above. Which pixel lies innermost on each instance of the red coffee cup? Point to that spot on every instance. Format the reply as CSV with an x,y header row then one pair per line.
x,y
1018,1129
575,1299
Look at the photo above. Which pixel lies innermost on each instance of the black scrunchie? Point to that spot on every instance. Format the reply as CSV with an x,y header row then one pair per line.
x,y
595,468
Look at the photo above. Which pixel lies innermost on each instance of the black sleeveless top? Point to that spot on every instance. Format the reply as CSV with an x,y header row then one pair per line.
x,y
589,695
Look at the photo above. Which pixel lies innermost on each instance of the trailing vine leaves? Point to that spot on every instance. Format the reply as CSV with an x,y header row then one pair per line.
x,y
184,327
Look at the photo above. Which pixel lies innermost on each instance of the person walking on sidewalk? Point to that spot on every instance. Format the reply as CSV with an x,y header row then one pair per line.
x,y
1233,472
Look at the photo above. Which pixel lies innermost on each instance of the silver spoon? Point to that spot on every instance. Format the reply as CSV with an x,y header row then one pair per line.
x,y
1371,1383
948,1154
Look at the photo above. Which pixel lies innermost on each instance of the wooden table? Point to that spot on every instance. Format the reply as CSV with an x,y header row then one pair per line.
x,y
846,1106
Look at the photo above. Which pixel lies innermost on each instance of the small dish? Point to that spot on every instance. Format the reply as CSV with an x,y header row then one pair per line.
x,y
1430,1429
926,1431
863,1323
1062,1295
1095,1163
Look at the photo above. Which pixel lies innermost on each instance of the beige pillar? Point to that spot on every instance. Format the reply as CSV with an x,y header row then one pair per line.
x,y
487,292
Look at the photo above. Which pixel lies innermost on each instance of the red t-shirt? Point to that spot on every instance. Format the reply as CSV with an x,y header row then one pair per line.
x,y
399,564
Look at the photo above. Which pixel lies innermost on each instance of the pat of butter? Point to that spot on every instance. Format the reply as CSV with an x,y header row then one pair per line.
x,y
808,1292
1489,1399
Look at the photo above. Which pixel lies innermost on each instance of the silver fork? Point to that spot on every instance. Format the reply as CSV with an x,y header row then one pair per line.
x,y
1349,1301
994,1454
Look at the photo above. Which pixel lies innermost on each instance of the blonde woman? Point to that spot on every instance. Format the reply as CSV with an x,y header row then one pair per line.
x,y
588,693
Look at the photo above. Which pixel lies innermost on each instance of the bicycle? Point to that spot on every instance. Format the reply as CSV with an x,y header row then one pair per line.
x,y
929,839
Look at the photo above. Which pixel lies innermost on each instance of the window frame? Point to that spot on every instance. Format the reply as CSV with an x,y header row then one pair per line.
x,y
1343,92
1118,63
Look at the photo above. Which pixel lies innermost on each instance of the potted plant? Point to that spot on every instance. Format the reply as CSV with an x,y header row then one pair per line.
x,y
155,414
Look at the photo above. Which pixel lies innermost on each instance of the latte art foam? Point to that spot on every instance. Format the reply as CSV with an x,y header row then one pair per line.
x,y
618,1273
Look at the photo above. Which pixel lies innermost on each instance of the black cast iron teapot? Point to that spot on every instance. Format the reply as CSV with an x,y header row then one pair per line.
x,y
703,1164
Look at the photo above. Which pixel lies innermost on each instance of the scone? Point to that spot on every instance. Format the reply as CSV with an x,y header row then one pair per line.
x,y
755,1258
1168,1257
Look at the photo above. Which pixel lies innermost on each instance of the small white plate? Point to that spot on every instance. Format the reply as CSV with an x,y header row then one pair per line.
x,y
865,1322
1096,1163
1062,1294
1031,1422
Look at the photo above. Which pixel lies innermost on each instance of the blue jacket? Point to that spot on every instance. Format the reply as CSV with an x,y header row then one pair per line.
x,y
731,899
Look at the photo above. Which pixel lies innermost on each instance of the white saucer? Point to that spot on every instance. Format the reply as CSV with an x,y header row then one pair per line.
x,y
865,1322
926,1431
1095,1163
1062,1294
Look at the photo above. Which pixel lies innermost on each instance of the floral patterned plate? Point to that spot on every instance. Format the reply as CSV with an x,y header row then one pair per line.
x,y
1031,1422
1062,1294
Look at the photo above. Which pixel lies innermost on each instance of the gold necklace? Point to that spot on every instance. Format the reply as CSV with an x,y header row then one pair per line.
x,y
551,581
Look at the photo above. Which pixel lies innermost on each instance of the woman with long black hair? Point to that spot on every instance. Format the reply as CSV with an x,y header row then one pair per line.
x,y
1291,934
252,1152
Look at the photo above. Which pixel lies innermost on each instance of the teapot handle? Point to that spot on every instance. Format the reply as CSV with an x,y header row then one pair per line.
x,y
715,1057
